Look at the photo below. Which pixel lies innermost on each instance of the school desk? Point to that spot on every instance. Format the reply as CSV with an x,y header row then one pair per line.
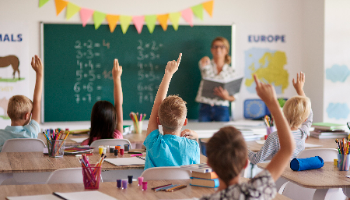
x,y
324,180
131,193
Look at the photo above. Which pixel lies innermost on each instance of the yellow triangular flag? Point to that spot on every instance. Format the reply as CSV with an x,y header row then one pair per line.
x,y
60,5
163,20
208,6
174,18
72,9
112,21
125,22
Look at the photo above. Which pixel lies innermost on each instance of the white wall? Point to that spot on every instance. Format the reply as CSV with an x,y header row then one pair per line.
x,y
337,48
305,17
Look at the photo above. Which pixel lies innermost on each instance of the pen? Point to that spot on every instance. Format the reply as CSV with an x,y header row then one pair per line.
x,y
161,186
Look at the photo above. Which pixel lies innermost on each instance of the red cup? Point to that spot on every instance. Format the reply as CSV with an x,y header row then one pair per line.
x,y
121,152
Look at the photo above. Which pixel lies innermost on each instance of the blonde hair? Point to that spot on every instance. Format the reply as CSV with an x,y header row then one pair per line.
x,y
227,46
296,110
172,113
18,106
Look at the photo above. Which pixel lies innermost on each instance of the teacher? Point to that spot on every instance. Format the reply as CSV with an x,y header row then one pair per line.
x,y
218,68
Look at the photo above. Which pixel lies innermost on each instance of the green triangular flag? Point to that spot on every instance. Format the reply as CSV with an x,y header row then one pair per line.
x,y
125,22
198,11
72,9
174,18
99,17
151,22
42,2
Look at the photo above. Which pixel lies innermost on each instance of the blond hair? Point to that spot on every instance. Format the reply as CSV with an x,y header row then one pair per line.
x,y
227,46
18,106
296,110
172,113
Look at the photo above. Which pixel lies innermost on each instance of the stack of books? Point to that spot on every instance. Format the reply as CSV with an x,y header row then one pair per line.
x,y
202,175
329,130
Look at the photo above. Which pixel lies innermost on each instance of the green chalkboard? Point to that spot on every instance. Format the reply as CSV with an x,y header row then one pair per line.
x,y
78,62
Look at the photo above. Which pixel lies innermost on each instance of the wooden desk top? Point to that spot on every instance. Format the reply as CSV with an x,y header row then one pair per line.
x,y
17,162
326,177
254,146
132,192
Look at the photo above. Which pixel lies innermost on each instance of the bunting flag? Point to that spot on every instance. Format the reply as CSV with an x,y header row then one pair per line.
x,y
187,15
125,22
112,21
198,11
208,6
42,2
174,18
85,15
72,9
151,22
60,5
138,22
163,21
99,17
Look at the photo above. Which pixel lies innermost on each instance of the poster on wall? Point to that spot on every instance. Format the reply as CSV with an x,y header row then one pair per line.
x,y
14,66
272,51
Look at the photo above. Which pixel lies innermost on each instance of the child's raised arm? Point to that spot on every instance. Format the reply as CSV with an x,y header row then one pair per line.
x,y
118,94
37,65
280,161
170,69
299,84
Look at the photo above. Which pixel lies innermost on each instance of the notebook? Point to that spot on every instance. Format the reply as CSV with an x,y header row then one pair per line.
x,y
78,140
126,161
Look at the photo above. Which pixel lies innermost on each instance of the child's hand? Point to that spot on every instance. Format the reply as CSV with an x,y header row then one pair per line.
x,y
204,61
265,91
187,133
117,70
299,84
37,65
172,66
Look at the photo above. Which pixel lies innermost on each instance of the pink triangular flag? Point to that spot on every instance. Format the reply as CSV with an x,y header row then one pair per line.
x,y
187,15
138,22
85,15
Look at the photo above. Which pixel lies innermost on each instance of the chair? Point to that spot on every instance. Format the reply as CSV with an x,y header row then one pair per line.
x,y
67,175
289,189
23,145
165,173
111,142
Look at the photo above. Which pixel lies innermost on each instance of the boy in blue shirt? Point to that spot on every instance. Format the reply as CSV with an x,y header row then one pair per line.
x,y
174,148
24,113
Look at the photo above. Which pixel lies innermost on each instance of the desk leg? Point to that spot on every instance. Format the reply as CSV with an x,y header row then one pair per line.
x,y
328,194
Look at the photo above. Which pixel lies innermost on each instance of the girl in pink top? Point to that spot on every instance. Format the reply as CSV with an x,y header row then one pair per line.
x,y
106,119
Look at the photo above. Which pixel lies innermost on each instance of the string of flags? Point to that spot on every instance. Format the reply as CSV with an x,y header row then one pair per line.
x,y
138,21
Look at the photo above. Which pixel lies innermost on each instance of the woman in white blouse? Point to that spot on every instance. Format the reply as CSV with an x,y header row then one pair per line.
x,y
216,109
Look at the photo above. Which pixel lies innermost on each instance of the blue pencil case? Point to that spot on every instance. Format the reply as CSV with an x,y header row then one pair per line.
x,y
300,164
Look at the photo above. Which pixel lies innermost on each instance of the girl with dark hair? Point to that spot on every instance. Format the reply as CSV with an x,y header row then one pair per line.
x,y
106,119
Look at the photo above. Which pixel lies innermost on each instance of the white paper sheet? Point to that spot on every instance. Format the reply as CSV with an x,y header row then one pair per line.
x,y
260,141
35,197
79,140
125,161
86,195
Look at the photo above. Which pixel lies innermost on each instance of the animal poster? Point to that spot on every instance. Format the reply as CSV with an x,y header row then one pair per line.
x,y
14,66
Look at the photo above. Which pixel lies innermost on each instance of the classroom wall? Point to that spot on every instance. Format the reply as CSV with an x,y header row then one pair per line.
x,y
336,106
302,22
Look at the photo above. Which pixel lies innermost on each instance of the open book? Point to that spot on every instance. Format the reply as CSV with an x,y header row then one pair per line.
x,y
231,85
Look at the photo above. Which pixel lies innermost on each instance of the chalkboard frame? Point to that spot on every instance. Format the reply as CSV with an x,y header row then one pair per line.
x,y
42,50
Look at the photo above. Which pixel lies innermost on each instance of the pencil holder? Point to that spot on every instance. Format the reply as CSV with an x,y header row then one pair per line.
x,y
270,130
91,177
138,127
55,148
343,162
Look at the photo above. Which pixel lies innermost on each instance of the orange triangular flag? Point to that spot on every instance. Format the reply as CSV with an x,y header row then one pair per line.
x,y
208,6
112,21
60,5
163,20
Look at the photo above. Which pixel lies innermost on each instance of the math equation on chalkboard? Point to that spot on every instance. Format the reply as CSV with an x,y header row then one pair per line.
x,y
148,54
88,71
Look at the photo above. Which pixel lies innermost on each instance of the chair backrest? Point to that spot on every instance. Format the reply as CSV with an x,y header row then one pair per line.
x,y
23,145
110,142
327,154
165,173
67,175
